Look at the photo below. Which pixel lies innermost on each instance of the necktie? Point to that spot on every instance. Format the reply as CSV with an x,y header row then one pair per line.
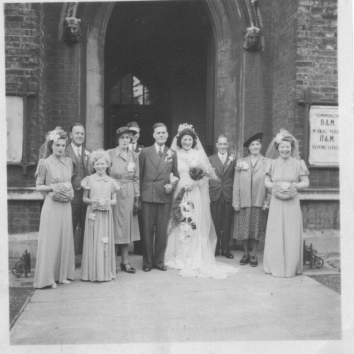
x,y
78,152
223,159
160,152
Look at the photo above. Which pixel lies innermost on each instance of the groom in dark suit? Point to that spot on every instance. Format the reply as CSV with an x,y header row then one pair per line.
x,y
156,162
220,192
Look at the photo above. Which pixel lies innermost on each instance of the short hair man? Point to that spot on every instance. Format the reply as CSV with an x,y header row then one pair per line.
x,y
220,192
156,197
134,146
80,157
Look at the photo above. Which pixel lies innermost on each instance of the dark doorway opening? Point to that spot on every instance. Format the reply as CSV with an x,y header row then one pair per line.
x,y
156,67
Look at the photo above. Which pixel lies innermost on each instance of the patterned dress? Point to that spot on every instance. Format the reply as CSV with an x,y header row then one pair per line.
x,y
55,253
126,225
250,222
98,258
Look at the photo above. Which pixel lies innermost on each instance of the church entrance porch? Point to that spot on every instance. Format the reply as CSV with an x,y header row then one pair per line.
x,y
180,58
156,67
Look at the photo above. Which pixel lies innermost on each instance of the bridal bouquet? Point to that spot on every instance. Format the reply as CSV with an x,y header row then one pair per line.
x,y
62,192
197,173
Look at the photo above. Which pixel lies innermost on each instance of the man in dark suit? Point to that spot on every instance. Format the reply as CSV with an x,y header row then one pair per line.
x,y
220,192
157,162
134,146
80,157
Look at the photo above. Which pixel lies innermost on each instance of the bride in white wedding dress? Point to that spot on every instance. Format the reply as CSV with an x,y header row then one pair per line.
x,y
191,243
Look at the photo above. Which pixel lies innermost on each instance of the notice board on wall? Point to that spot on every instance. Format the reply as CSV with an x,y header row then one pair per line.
x,y
14,120
324,132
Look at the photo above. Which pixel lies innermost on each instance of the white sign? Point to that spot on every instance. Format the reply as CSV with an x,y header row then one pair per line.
x,y
14,120
324,145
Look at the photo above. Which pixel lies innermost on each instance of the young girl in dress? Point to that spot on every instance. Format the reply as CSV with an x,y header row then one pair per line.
x,y
98,258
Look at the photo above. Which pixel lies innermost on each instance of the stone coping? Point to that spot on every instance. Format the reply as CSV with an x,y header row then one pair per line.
x,y
30,193
24,193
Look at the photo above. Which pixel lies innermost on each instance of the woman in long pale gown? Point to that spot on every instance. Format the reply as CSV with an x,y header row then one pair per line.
x,y
195,255
285,175
55,254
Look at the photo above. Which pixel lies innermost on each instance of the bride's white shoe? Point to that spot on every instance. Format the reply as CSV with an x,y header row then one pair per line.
x,y
65,282
53,286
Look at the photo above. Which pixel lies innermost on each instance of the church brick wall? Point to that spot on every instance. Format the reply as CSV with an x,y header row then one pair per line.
x,y
62,74
320,214
42,122
23,42
21,45
284,58
258,83
305,57
23,216
316,54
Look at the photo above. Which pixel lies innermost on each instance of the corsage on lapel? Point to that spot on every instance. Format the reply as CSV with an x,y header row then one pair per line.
x,y
87,154
169,155
243,165
130,166
231,158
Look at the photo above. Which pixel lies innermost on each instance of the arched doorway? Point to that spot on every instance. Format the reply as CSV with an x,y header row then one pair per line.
x,y
156,56
224,90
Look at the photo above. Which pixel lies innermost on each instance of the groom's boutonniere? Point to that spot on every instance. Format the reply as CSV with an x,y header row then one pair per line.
x,y
231,158
169,155
140,147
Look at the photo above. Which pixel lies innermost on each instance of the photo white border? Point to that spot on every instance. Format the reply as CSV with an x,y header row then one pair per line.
x,y
346,113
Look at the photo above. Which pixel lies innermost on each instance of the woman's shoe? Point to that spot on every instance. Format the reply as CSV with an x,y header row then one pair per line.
x,y
244,260
65,282
253,261
53,286
127,268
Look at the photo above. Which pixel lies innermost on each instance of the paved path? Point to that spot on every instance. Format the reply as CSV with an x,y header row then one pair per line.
x,y
164,307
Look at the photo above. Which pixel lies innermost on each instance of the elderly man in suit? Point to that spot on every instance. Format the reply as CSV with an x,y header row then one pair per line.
x,y
80,157
157,162
220,192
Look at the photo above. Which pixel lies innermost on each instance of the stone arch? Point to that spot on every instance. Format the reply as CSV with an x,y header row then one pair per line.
x,y
225,87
